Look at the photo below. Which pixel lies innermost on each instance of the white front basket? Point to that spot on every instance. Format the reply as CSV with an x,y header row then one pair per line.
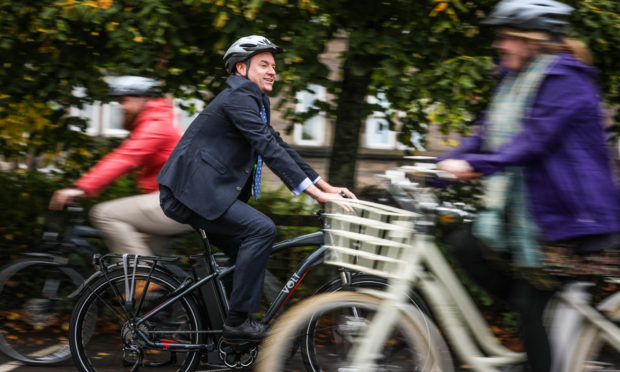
x,y
372,239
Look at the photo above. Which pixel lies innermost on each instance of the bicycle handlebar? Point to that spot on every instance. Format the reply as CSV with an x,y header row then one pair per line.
x,y
416,197
428,170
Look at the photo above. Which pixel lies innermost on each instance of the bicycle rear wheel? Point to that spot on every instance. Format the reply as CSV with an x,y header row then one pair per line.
x,y
35,311
337,320
115,343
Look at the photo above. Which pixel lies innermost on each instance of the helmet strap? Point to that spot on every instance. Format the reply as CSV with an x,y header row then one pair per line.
x,y
247,68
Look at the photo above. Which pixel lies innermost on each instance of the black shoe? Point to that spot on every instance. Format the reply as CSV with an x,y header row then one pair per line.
x,y
250,330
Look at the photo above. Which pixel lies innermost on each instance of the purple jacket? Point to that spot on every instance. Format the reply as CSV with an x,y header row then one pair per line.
x,y
564,155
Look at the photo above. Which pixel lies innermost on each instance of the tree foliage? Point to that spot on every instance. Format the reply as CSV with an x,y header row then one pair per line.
x,y
429,58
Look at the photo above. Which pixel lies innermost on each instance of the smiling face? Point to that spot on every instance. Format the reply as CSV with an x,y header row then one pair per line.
x,y
262,71
515,51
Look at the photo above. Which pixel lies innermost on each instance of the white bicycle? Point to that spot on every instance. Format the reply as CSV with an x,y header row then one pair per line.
x,y
369,330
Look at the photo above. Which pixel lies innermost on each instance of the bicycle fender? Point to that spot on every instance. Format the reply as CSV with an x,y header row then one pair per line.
x,y
47,256
94,276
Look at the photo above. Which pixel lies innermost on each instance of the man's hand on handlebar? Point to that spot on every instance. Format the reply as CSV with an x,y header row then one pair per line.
x,y
322,192
63,197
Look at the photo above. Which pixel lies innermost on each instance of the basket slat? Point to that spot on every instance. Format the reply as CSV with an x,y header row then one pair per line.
x,y
372,239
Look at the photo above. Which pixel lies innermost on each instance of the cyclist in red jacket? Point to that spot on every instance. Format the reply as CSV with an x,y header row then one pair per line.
x,y
134,224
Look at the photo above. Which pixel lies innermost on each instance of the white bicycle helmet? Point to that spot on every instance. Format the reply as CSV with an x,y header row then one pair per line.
x,y
531,15
246,47
137,86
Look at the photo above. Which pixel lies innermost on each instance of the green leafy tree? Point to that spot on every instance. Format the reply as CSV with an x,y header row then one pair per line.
x,y
597,23
432,61
391,47
428,58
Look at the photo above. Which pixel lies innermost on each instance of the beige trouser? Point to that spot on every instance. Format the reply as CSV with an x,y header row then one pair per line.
x,y
136,224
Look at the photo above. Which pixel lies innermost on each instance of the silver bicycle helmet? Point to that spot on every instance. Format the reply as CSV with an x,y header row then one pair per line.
x,y
137,86
246,47
535,15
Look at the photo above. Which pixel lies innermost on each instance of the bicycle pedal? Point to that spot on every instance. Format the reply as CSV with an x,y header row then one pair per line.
x,y
239,356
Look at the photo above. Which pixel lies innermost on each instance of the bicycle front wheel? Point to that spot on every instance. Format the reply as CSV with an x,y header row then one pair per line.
x,y
116,342
35,310
593,351
338,319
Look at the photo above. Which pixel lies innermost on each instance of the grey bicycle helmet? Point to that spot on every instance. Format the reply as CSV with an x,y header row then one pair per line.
x,y
535,15
246,47
137,86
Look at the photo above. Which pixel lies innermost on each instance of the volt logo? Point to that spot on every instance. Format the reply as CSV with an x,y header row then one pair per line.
x,y
292,282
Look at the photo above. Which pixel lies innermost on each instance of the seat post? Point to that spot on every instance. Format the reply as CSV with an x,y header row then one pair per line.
x,y
205,241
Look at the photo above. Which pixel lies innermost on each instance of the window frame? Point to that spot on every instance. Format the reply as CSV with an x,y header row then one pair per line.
x,y
317,122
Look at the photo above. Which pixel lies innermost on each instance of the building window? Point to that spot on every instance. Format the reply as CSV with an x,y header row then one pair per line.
x,y
312,132
378,133
92,115
102,120
112,120
185,111
107,119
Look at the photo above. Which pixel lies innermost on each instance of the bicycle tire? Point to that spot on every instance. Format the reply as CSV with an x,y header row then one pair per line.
x,y
414,344
357,281
35,311
361,280
113,345
592,352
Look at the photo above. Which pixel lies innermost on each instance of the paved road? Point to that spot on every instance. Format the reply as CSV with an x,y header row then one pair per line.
x,y
7,365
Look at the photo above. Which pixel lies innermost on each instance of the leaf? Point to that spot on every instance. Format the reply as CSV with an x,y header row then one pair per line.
x,y
438,9
221,20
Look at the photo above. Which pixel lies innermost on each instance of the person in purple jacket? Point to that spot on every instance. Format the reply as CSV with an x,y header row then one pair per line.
x,y
544,163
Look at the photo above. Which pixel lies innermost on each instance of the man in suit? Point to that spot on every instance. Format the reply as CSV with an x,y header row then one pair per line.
x,y
216,167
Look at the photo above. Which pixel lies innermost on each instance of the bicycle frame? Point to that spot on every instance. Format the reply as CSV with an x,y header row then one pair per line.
x,y
206,264
462,322
453,307
357,239
458,315
572,315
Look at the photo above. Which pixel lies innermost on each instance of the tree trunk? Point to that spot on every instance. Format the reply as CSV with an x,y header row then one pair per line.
x,y
350,113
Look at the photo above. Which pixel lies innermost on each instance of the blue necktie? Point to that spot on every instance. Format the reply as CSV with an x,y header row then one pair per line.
x,y
259,161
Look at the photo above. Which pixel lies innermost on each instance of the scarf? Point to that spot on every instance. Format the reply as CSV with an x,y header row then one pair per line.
x,y
506,224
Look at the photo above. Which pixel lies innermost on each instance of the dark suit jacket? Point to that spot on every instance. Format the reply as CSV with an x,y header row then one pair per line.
x,y
213,161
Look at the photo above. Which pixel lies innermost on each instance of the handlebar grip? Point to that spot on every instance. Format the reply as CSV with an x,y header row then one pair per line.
x,y
74,209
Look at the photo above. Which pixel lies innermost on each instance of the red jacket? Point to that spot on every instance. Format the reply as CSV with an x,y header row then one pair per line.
x,y
153,137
